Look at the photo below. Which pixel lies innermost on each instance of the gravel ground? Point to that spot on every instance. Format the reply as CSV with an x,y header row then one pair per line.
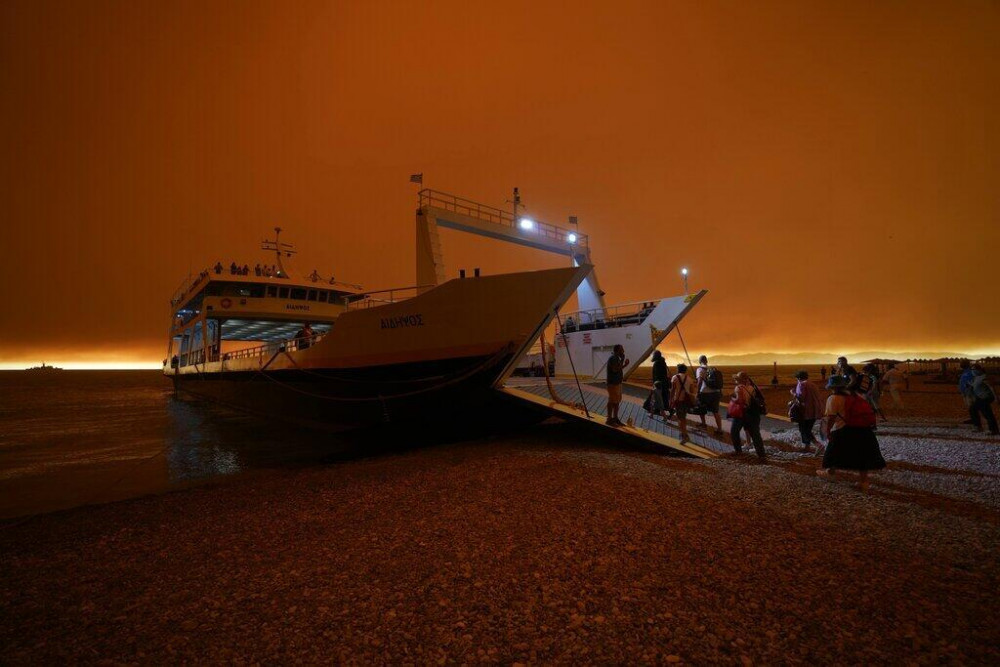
x,y
547,547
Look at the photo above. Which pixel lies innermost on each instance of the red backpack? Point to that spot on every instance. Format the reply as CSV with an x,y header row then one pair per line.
x,y
858,412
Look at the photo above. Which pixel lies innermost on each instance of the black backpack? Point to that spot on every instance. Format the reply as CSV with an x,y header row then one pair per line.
x,y
713,379
757,400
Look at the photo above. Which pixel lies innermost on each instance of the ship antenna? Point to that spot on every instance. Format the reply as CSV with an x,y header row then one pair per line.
x,y
278,247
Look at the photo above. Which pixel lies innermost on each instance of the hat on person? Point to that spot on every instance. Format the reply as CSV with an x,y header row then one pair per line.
x,y
837,382
802,375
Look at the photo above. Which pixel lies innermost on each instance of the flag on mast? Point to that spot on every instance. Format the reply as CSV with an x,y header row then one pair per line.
x,y
417,178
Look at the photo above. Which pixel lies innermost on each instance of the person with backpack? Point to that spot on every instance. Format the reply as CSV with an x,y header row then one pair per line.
x,y
615,377
811,407
661,375
745,410
709,381
654,404
982,400
843,368
874,390
849,422
682,398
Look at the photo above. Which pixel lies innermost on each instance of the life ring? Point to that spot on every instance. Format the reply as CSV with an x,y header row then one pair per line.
x,y
226,302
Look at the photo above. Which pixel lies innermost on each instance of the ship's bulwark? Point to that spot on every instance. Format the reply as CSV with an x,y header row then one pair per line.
x,y
432,359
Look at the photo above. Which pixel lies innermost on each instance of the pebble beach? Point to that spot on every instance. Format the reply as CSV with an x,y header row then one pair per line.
x,y
547,546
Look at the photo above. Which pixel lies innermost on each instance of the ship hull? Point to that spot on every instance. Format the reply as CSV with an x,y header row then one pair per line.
x,y
435,359
456,392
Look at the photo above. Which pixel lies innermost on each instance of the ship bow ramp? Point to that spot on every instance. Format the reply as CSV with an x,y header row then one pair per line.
x,y
486,317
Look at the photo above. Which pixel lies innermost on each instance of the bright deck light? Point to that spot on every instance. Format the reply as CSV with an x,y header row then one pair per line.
x,y
571,237
527,223
684,272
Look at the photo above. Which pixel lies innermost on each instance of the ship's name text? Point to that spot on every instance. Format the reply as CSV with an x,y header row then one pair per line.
x,y
403,321
296,306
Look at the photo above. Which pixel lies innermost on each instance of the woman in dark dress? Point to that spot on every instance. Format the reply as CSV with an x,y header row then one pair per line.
x,y
850,422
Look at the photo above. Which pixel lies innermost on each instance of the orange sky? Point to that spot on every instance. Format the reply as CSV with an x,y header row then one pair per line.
x,y
828,170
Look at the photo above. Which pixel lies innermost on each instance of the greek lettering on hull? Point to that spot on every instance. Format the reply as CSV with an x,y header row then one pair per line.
x,y
403,321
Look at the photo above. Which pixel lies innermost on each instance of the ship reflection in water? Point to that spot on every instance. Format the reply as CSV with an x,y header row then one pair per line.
x,y
85,437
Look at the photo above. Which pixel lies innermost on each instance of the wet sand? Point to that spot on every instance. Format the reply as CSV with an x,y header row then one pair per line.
x,y
548,546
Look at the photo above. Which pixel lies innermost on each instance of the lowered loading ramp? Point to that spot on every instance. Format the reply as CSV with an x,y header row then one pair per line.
x,y
646,430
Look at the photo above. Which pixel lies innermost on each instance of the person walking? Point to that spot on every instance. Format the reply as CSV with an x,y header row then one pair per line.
x,y
983,397
709,381
871,381
616,376
661,374
654,403
682,398
745,411
849,421
893,380
844,368
965,387
807,395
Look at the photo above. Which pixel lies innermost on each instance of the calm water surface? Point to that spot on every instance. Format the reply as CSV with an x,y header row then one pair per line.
x,y
79,437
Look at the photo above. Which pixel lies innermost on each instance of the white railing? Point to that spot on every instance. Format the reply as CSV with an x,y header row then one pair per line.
x,y
621,315
269,349
499,216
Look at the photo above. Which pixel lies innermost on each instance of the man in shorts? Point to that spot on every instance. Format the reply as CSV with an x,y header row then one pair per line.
x,y
616,376
709,392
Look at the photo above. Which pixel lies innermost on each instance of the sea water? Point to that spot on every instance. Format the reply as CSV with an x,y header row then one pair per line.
x,y
71,438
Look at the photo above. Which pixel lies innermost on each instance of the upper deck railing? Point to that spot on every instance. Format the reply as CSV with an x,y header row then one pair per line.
x,y
501,217
621,315
387,296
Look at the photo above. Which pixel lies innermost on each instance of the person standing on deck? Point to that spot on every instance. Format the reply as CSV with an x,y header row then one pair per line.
x,y
616,376
682,398
808,396
662,375
709,381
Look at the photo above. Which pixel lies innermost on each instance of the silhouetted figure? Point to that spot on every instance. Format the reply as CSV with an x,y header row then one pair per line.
x,y
683,391
233,268
615,378
304,336
811,405
218,267
745,412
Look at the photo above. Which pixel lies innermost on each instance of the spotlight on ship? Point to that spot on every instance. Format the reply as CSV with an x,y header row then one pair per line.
x,y
571,237
527,223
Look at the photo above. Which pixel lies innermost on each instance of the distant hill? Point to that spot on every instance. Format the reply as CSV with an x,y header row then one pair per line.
x,y
809,358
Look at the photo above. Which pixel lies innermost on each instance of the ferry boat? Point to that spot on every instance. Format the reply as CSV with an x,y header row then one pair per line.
x,y
431,353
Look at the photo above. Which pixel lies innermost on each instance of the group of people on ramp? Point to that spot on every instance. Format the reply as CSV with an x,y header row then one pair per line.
x,y
847,416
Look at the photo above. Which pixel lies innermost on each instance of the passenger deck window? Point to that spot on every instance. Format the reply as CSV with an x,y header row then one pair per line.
x,y
283,293
322,296
272,291
298,293
312,295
